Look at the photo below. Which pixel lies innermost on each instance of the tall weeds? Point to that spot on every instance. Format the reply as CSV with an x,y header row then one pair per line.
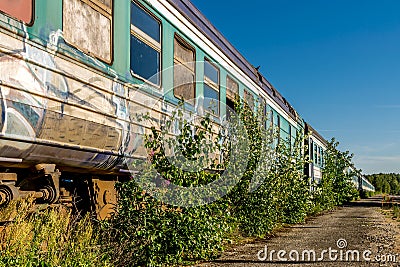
x,y
51,237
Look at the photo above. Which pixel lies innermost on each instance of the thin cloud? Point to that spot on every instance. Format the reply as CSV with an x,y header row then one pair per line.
x,y
379,158
388,106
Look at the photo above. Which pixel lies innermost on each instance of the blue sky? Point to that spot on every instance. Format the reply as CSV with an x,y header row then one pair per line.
x,y
337,62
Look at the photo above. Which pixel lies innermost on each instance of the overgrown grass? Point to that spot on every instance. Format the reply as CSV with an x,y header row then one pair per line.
x,y
51,237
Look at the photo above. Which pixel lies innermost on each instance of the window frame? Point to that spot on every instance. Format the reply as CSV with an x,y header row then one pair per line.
x,y
188,46
311,150
322,157
271,119
207,81
249,93
278,125
102,8
263,105
151,43
108,13
230,77
315,149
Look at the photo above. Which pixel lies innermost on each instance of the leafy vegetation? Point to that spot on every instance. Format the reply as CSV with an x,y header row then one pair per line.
x,y
169,215
388,183
148,231
335,187
273,190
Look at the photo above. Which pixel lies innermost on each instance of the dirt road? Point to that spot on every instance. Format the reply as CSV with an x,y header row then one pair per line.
x,y
354,235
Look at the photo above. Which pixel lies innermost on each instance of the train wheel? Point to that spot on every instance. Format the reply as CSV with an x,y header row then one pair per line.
x,y
8,193
49,194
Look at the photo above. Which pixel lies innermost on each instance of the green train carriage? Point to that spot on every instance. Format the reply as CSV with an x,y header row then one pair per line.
x,y
75,73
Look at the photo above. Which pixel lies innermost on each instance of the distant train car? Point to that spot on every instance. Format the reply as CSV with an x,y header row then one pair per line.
x,y
366,185
317,147
359,180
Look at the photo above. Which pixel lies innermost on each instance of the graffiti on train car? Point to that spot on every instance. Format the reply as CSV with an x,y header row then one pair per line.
x,y
46,98
52,103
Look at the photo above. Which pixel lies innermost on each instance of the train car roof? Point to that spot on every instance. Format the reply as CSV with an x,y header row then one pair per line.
x,y
315,134
194,15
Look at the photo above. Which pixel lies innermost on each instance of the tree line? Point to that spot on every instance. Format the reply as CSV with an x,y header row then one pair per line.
x,y
388,183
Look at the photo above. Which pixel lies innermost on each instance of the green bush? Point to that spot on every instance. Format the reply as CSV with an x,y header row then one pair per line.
x,y
150,231
336,187
282,195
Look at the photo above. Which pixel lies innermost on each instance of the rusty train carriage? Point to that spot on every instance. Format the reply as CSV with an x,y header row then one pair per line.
x,y
72,84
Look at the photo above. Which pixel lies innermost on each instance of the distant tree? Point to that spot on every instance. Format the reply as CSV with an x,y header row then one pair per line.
x,y
388,183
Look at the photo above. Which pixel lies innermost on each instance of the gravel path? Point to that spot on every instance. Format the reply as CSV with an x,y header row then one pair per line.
x,y
361,225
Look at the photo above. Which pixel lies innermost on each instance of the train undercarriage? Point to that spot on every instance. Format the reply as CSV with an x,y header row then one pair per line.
x,y
48,185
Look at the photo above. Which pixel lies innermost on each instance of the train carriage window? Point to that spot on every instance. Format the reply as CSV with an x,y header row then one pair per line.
x,y
277,121
322,158
87,25
184,70
315,154
271,119
278,128
232,91
285,130
319,156
20,9
249,99
145,45
211,87
232,88
263,110
293,135
290,137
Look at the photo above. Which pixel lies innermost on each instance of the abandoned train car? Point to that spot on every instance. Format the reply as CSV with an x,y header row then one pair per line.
x,y
75,73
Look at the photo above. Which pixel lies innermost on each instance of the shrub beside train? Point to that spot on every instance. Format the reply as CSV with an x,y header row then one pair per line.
x,y
74,75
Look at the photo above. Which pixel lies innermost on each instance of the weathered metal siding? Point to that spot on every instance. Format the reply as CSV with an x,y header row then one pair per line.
x,y
55,110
